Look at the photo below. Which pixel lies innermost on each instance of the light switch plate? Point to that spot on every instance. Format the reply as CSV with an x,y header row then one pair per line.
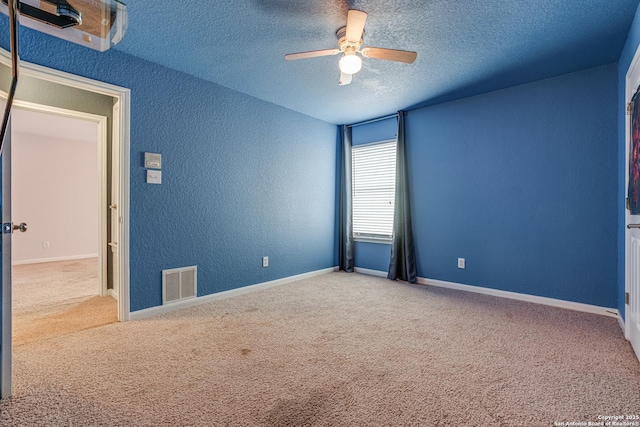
x,y
153,160
154,177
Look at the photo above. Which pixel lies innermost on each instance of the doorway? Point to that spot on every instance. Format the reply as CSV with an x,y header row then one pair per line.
x,y
60,283
76,95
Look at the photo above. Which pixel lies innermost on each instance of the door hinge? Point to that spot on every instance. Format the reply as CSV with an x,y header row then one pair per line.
x,y
7,228
626,298
630,108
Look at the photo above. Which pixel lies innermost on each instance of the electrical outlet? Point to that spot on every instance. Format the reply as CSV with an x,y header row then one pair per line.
x,y
265,261
46,244
461,263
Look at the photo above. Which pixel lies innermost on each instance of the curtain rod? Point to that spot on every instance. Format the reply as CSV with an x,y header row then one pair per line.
x,y
373,120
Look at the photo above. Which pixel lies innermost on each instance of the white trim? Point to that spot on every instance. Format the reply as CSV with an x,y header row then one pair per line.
x,y
570,305
178,305
372,240
112,294
61,258
114,213
123,260
621,321
123,96
63,78
103,251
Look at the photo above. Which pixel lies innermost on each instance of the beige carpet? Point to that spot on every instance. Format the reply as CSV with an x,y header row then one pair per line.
x,y
336,350
54,298
48,283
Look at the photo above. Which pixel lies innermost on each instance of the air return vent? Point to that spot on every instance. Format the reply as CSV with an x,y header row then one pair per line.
x,y
179,284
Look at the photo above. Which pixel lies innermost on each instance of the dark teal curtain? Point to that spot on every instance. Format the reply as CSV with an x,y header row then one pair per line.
x,y
402,265
345,230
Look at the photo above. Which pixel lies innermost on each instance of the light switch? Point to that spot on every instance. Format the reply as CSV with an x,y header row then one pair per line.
x,y
154,177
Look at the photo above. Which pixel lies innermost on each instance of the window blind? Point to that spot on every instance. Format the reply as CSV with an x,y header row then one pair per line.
x,y
373,186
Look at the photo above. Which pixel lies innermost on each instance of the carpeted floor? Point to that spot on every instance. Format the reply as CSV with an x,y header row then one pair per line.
x,y
43,284
55,298
335,350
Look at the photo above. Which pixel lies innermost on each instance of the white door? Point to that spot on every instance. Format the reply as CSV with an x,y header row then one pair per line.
x,y
633,285
632,316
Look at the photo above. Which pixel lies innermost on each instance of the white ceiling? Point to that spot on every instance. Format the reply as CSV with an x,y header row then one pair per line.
x,y
53,126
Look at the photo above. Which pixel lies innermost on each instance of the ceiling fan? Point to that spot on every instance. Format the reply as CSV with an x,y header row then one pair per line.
x,y
350,39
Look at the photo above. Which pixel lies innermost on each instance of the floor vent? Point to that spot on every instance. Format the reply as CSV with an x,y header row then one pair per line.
x,y
179,284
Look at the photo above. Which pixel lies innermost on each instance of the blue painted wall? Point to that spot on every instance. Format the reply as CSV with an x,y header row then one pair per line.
x,y
630,47
522,183
380,130
242,178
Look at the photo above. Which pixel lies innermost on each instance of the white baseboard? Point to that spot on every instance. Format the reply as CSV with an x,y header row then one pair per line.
x,y
112,293
587,308
62,258
154,311
621,321
577,306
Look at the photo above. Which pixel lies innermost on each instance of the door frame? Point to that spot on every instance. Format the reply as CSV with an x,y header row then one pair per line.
x,y
629,92
121,118
101,121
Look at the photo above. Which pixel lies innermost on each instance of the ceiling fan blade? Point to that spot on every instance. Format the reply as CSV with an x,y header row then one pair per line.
x,y
345,79
311,54
389,54
355,25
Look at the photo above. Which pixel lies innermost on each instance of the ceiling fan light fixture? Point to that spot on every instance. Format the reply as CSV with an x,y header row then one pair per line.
x,y
350,63
350,40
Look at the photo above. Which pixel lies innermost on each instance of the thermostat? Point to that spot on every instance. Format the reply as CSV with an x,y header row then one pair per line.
x,y
153,160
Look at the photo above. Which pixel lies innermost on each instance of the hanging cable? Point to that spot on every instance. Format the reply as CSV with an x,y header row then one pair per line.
x,y
13,29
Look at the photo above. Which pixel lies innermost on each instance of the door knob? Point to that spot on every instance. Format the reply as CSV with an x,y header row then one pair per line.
x,y
22,227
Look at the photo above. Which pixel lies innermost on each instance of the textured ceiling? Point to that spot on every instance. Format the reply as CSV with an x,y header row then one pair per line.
x,y
464,47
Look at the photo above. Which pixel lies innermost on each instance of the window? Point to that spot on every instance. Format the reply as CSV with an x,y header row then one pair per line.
x,y
373,189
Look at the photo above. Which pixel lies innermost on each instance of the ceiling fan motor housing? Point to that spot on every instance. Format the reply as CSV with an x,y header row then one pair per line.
x,y
345,44
350,41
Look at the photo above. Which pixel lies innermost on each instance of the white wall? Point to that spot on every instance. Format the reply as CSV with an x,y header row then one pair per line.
x,y
54,191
